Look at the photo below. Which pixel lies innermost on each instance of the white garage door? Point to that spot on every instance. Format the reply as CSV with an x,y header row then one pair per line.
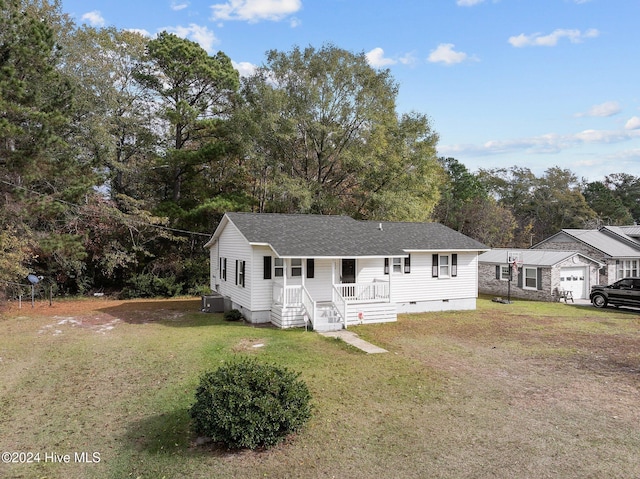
x,y
573,279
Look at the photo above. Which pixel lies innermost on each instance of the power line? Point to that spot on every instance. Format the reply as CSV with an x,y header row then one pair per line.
x,y
68,203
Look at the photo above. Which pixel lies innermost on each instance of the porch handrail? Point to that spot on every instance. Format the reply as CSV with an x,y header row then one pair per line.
x,y
355,292
309,304
340,303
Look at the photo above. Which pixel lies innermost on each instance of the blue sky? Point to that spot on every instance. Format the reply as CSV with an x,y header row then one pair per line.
x,y
529,83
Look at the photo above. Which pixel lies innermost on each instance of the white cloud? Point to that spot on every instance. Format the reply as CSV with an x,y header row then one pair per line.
x,y
468,3
408,59
176,6
608,108
603,136
295,22
539,40
377,59
255,10
549,143
633,123
197,33
446,54
245,69
94,18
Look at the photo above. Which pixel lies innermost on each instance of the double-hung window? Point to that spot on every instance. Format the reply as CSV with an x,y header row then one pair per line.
x,y
531,278
278,267
444,265
505,272
398,265
627,268
296,267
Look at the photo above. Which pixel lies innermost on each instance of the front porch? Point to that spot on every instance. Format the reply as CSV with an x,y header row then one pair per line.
x,y
350,304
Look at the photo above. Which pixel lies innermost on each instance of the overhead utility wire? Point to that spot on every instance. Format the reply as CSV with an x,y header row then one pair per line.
x,y
166,228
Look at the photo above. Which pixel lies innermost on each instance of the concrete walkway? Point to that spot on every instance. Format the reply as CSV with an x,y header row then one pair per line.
x,y
352,338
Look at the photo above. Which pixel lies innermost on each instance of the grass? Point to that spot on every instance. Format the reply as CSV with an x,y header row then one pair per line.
x,y
523,390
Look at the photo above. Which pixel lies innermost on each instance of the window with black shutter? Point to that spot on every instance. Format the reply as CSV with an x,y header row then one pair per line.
x,y
240,265
311,268
266,272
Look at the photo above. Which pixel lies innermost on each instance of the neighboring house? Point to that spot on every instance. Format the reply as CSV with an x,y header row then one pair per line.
x,y
332,271
543,275
617,247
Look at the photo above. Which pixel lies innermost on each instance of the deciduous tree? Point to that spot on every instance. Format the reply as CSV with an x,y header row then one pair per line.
x,y
323,136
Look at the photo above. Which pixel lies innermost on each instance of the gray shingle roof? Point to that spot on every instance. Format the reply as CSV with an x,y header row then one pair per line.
x,y
532,257
601,241
341,236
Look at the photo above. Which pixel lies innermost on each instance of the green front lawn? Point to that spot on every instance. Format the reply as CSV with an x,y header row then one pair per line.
x,y
522,390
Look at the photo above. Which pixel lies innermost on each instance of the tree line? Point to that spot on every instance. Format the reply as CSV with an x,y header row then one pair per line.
x,y
120,153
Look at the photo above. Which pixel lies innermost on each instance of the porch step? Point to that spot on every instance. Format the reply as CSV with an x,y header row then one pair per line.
x,y
327,318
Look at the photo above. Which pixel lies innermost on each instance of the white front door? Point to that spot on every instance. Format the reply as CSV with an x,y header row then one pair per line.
x,y
573,279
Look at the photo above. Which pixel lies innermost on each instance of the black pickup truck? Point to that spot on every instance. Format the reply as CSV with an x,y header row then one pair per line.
x,y
624,292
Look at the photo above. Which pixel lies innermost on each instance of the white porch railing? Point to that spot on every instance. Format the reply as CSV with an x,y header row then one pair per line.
x,y
294,296
287,295
342,296
364,292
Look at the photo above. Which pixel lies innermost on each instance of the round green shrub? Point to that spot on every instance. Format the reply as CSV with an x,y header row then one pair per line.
x,y
233,315
247,404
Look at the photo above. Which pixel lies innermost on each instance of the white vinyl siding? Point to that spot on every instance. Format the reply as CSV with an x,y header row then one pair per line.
x,y
235,248
321,285
420,285
261,289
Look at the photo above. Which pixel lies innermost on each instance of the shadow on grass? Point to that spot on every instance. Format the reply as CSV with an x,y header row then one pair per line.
x,y
170,433
172,312
617,309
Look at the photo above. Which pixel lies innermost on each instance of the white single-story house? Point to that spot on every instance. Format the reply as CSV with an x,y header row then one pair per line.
x,y
617,247
543,275
333,271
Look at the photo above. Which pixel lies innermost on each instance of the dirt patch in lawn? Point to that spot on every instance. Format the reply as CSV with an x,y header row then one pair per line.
x,y
249,345
103,314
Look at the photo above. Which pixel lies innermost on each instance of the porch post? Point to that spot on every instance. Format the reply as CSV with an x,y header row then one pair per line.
x,y
333,272
284,282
